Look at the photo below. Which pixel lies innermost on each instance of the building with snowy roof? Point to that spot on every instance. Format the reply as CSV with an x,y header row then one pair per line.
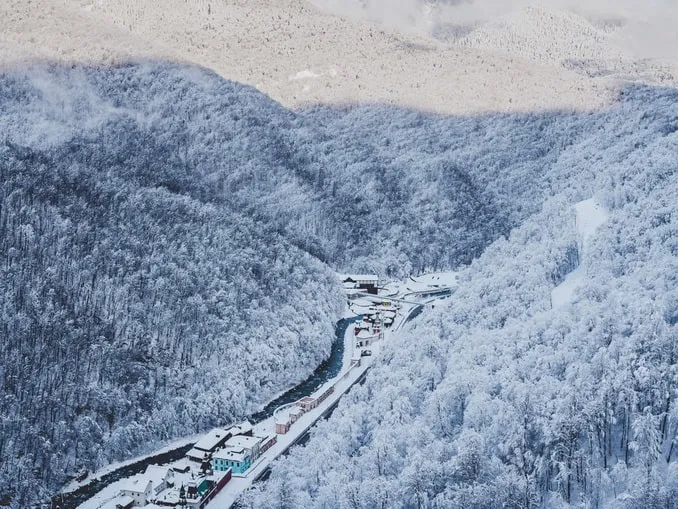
x,y
364,338
238,459
139,489
307,403
203,448
369,283
161,477
120,502
282,424
251,443
244,428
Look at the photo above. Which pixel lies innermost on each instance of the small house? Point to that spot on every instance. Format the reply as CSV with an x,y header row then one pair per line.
x,y
282,425
119,503
244,428
325,394
203,448
295,414
250,444
139,489
364,338
161,477
365,282
267,442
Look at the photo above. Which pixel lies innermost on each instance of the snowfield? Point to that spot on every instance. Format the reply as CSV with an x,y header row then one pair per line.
x,y
264,42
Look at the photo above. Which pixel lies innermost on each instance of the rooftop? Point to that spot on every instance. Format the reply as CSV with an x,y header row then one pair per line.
x,y
242,441
360,277
282,419
211,440
123,501
364,334
136,484
197,453
238,454
157,474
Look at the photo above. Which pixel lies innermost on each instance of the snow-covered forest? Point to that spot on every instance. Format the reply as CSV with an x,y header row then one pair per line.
x,y
139,303
168,242
497,400
163,233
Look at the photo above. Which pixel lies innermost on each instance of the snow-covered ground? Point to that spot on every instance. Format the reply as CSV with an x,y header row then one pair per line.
x,y
427,282
590,214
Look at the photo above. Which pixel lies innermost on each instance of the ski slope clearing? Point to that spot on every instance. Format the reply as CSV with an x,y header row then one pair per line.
x,y
590,215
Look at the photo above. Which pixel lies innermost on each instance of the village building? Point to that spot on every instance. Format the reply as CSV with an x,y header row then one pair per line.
x,y
244,428
252,444
203,449
195,491
139,489
267,442
307,404
236,459
120,502
364,282
295,414
282,424
361,325
325,394
364,338
238,454
161,477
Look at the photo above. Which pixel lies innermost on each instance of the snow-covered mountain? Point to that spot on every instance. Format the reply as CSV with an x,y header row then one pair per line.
x,y
180,181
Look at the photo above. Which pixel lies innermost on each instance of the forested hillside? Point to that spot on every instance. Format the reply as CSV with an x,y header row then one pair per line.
x,y
497,400
167,238
138,302
162,233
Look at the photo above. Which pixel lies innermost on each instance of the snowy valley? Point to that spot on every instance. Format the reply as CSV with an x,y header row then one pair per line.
x,y
191,192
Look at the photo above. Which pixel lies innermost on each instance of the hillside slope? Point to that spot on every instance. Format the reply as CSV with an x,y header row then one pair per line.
x,y
138,302
162,233
293,52
495,399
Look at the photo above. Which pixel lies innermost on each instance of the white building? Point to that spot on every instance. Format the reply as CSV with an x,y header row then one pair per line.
x,y
251,444
161,477
203,449
368,283
364,338
139,489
